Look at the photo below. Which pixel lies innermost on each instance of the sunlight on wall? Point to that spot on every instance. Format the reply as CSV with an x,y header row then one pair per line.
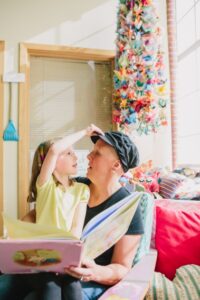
x,y
79,23
87,31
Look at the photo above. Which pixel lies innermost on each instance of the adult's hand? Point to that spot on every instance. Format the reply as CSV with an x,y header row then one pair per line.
x,y
86,272
121,263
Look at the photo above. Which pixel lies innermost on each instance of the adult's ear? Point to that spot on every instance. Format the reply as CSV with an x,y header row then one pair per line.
x,y
117,166
30,216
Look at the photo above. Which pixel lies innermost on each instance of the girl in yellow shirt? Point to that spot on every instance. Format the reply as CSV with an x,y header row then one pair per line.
x,y
60,201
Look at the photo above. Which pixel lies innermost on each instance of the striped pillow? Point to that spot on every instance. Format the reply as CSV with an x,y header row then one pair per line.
x,y
185,285
169,185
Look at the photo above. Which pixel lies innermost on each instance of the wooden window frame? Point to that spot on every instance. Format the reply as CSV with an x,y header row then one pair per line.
x,y
2,51
26,51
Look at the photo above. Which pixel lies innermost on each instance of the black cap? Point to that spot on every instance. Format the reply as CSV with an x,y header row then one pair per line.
x,y
126,150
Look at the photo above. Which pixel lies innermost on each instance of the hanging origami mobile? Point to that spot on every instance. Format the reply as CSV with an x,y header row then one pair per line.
x,y
139,84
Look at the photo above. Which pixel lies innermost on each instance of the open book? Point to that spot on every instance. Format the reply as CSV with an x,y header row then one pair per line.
x,y
32,247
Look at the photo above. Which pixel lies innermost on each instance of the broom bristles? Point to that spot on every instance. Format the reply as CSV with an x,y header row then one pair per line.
x,y
10,133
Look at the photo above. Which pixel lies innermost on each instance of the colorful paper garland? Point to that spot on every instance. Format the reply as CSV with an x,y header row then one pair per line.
x,y
140,96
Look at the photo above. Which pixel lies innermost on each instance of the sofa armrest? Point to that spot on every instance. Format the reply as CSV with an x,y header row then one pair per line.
x,y
135,284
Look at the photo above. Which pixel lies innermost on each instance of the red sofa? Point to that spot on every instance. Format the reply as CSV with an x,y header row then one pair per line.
x,y
175,242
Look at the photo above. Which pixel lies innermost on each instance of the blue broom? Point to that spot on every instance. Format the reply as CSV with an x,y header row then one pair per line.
x,y
10,133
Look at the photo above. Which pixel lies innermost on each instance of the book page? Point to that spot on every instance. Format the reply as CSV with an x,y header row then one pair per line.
x,y
110,229
101,233
17,229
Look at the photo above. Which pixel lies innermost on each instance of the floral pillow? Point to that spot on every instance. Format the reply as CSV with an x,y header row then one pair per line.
x,y
146,177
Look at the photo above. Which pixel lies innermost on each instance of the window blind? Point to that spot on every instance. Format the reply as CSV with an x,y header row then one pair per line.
x,y
66,96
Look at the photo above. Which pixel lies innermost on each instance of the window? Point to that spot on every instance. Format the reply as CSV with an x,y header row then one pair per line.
x,y
63,95
188,93
66,96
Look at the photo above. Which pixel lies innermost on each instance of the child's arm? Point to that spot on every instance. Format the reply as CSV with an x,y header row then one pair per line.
x,y
58,147
78,219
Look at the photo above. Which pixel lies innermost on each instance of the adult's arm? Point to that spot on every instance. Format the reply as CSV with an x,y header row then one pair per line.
x,y
123,254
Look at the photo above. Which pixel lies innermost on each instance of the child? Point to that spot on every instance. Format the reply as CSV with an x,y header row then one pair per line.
x,y
60,202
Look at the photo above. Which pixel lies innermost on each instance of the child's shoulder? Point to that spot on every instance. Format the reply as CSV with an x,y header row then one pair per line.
x,y
80,185
81,191
46,184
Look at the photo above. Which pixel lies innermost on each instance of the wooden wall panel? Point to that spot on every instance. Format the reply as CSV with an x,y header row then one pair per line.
x,y
26,51
2,46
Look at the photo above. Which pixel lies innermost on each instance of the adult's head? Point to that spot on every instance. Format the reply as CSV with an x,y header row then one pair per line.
x,y
114,154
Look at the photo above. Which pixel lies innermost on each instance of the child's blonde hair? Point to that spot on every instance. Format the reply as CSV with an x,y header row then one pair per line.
x,y
38,159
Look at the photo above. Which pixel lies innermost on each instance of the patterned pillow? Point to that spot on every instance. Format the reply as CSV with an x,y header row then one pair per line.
x,y
169,185
187,171
184,286
189,189
147,211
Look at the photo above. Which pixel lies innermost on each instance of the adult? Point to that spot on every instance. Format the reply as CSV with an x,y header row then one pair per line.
x,y
113,155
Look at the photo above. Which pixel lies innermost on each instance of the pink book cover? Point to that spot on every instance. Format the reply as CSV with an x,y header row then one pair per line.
x,y
27,256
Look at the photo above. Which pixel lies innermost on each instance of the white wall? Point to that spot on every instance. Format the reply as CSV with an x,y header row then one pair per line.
x,y
88,23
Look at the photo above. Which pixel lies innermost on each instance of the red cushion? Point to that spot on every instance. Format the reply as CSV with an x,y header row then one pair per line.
x,y
177,235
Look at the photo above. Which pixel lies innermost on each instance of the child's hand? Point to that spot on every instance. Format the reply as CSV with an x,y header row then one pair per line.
x,y
93,130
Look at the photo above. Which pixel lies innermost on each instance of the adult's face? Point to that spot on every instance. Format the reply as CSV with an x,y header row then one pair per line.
x,y
101,161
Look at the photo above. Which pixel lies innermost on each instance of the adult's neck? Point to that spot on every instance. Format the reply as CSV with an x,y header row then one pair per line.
x,y
101,191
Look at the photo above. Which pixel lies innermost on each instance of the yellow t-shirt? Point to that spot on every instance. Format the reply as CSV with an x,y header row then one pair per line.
x,y
56,207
